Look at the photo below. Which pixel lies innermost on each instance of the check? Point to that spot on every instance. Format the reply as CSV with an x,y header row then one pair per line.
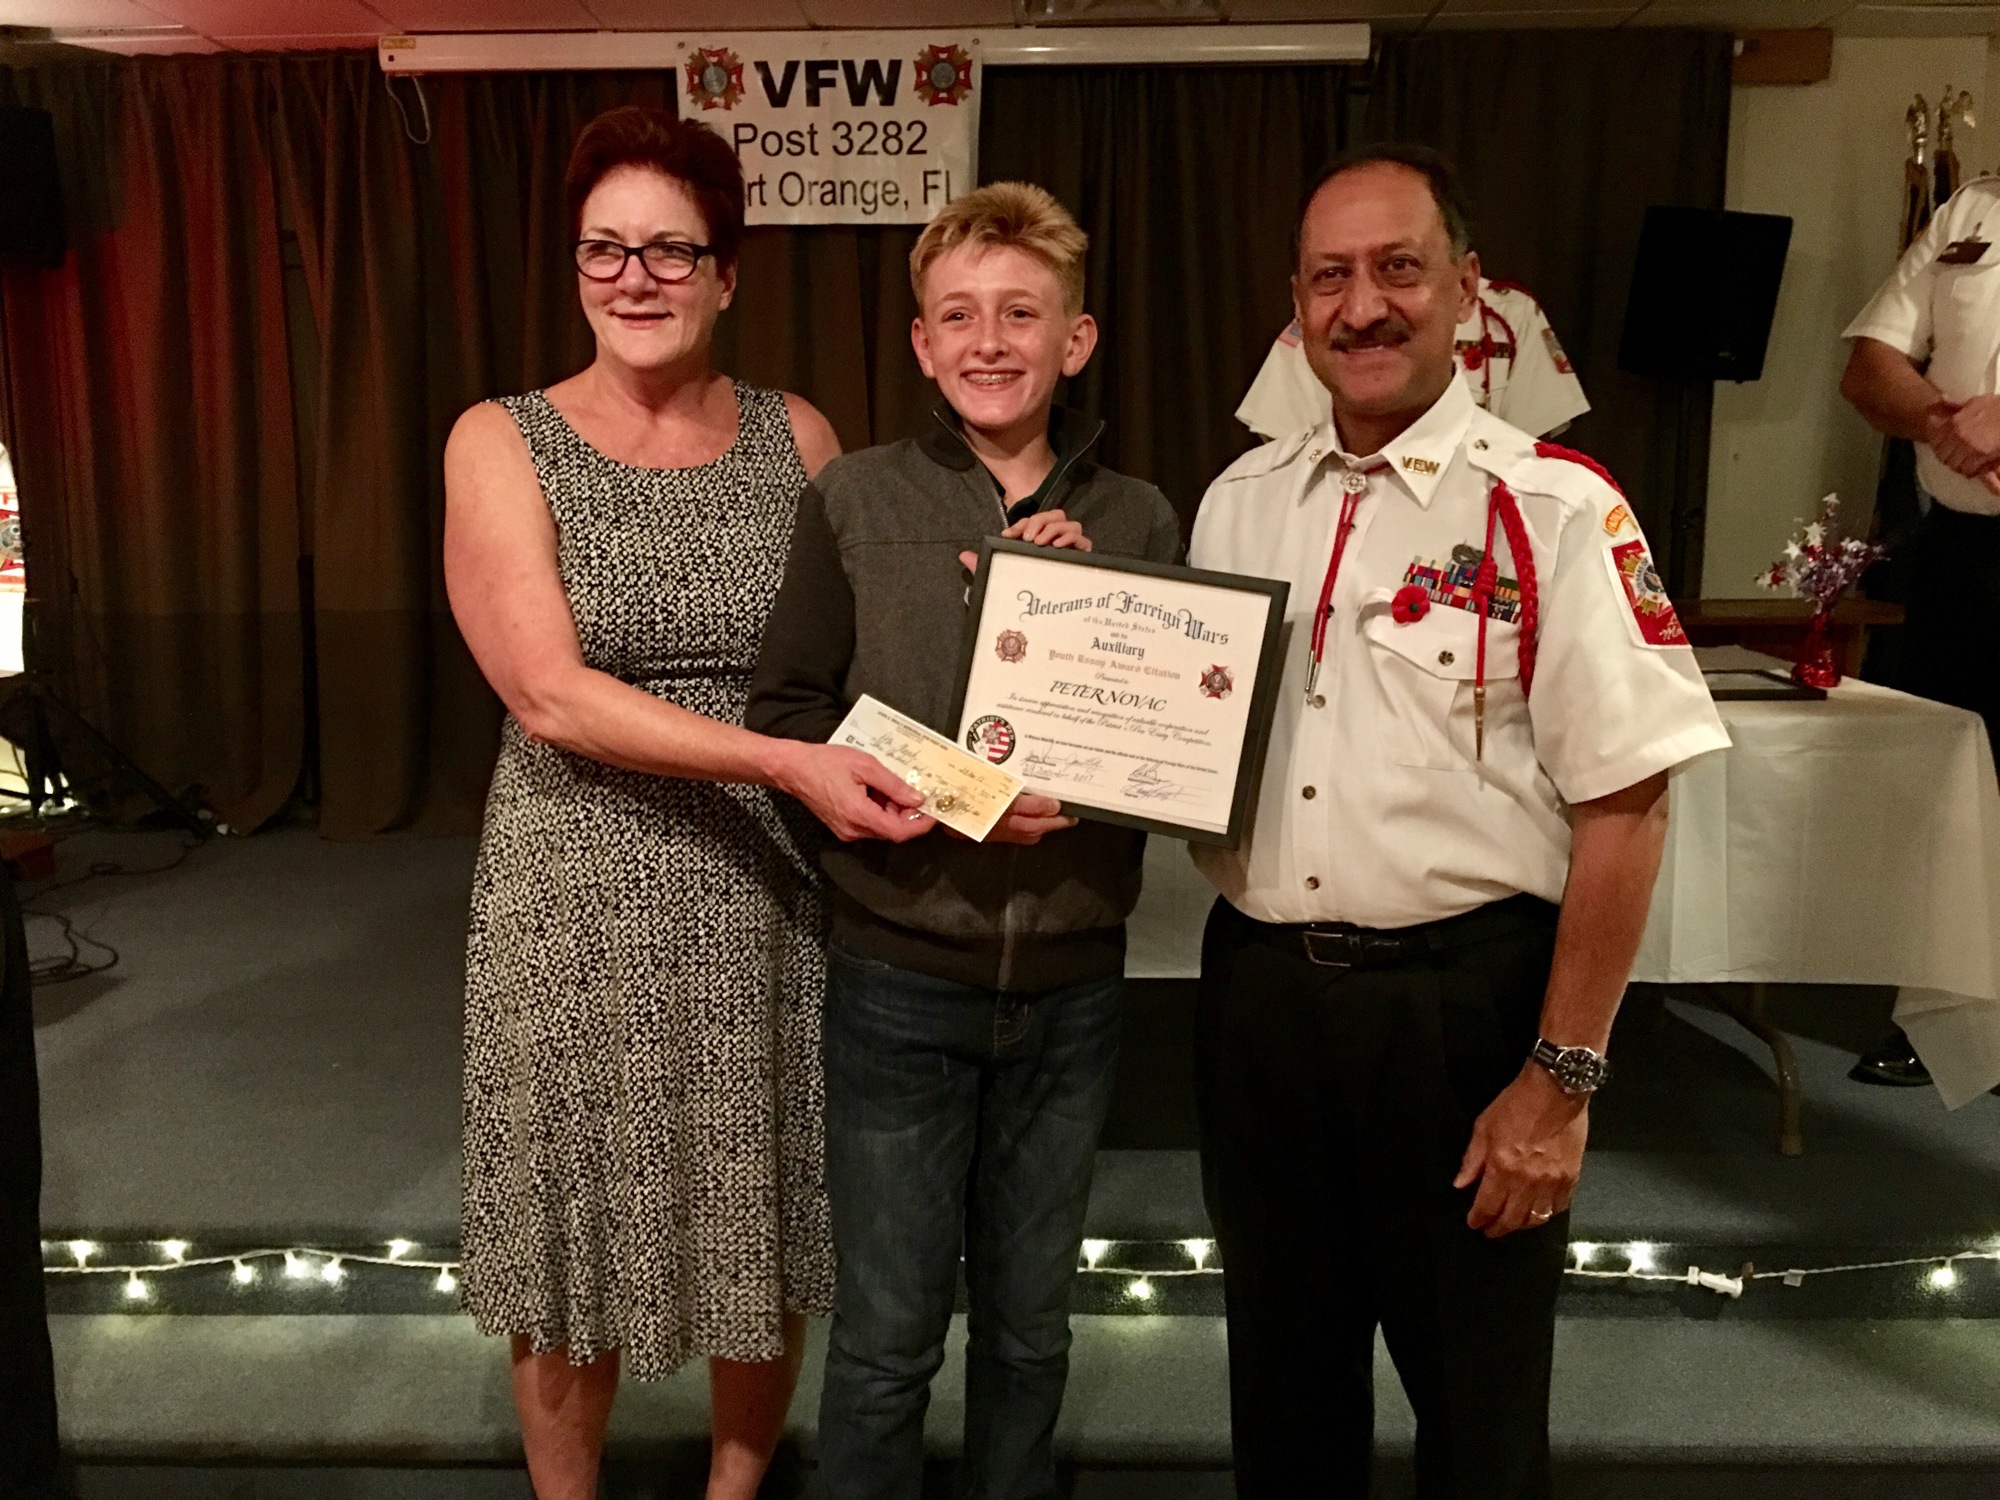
x,y
960,791
1134,692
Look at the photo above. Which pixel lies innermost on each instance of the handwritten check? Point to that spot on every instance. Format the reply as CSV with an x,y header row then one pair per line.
x,y
961,791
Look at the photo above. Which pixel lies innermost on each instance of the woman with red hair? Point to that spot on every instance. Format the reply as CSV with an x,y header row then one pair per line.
x,y
642,1178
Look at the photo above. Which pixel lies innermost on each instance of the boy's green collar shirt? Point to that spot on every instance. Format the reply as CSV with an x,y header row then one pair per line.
x,y
1071,433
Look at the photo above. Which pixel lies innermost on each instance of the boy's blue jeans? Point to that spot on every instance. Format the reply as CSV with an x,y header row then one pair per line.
x,y
956,1117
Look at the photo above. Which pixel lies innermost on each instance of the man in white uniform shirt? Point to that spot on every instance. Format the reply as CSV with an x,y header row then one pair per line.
x,y
1925,365
1408,986
1514,366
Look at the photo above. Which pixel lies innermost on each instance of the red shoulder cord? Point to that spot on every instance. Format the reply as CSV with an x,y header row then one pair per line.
x,y
1503,509
1487,311
1557,450
1501,506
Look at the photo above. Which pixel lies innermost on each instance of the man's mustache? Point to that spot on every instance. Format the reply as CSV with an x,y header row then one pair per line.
x,y
1384,334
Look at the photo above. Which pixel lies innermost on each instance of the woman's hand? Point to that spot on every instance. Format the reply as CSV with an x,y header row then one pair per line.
x,y
1045,528
847,790
1026,819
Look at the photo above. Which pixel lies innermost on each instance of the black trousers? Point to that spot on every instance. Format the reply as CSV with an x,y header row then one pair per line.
x,y
1336,1105
1951,630
28,1456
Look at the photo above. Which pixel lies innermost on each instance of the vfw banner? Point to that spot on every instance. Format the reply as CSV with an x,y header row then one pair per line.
x,y
840,127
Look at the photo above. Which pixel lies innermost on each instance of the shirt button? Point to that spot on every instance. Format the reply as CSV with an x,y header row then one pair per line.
x,y
1445,658
1319,700
1312,882
1308,794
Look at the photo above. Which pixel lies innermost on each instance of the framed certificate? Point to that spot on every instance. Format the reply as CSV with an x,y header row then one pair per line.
x,y
1135,692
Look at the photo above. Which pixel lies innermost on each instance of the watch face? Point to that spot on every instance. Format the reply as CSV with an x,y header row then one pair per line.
x,y
1578,1069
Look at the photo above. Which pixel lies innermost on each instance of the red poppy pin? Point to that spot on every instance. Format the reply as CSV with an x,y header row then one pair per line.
x,y
1410,605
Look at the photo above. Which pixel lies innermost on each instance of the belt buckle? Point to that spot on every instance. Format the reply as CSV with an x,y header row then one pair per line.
x,y
1347,943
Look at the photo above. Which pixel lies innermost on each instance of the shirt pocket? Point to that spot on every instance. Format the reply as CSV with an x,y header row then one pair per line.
x,y
1425,672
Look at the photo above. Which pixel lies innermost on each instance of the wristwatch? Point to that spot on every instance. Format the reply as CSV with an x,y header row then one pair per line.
x,y
1576,1070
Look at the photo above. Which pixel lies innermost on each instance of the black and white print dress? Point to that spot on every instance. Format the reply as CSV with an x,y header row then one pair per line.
x,y
644,971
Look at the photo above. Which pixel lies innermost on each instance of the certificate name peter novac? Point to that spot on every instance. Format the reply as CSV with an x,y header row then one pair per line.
x,y
1133,692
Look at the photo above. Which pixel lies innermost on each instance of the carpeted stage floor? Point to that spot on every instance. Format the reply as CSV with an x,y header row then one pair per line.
x,y
273,1061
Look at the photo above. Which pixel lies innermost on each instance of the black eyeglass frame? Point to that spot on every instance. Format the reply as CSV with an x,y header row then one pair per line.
x,y
576,254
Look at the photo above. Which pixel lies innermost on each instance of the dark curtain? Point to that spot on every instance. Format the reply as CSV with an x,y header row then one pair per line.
x,y
150,404
1187,180
437,275
246,487
1564,139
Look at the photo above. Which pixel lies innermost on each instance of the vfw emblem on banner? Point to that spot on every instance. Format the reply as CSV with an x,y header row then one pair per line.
x,y
840,127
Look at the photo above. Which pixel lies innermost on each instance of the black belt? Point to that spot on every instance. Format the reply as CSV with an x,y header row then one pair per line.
x,y
1342,945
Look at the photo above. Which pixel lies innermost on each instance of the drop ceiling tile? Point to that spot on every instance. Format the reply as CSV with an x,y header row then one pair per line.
x,y
486,15
273,18
1744,15
71,15
1919,20
1292,11
1527,20
874,15
697,15
1598,12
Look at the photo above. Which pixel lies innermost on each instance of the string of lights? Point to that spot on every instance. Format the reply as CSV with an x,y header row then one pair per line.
x,y
297,1263
1138,1264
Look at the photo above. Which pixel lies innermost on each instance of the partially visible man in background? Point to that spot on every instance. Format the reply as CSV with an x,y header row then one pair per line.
x,y
1925,365
29,1462
1514,366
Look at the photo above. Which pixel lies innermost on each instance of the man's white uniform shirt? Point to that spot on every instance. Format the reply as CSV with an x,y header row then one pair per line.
x,y
1373,807
1949,315
1514,366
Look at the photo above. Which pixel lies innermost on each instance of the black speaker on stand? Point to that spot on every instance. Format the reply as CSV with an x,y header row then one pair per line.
x,y
1704,291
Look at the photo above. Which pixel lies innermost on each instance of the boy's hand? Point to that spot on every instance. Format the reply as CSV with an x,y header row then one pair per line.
x,y
1027,818
1045,528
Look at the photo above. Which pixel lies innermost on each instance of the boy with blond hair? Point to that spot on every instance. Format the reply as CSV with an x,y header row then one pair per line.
x,y
974,990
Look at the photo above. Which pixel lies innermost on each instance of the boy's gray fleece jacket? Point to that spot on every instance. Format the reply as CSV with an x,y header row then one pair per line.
x,y
874,601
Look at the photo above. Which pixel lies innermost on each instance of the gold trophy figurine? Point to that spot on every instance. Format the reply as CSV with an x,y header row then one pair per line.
x,y
1916,174
1947,175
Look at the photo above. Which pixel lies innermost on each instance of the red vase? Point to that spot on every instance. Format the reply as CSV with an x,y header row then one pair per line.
x,y
1816,666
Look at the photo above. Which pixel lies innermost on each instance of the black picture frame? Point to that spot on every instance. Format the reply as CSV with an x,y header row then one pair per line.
x,y
1263,693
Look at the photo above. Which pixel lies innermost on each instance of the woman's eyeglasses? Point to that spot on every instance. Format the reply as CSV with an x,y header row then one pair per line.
x,y
664,260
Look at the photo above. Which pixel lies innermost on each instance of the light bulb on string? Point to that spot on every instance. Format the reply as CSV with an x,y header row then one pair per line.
x,y
1140,1290
1093,1252
296,1268
136,1289
1199,1252
1584,1251
82,1250
1945,1277
174,1250
332,1273
243,1273
447,1282
1639,1255
400,1248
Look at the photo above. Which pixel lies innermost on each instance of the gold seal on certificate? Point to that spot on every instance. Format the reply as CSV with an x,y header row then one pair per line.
x,y
1134,692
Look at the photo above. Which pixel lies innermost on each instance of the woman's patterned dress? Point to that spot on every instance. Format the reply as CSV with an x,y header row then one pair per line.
x,y
644,969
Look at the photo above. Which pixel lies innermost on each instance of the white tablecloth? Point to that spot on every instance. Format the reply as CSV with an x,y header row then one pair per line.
x,y
1855,841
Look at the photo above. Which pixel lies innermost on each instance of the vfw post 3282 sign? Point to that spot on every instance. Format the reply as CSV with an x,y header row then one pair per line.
x,y
852,127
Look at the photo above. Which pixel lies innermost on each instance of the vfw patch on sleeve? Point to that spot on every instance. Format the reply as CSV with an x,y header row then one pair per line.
x,y
1645,595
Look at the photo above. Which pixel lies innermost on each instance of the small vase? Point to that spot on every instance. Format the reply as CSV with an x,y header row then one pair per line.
x,y
1816,666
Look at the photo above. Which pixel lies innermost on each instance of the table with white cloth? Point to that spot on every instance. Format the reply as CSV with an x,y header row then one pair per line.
x,y
1850,841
